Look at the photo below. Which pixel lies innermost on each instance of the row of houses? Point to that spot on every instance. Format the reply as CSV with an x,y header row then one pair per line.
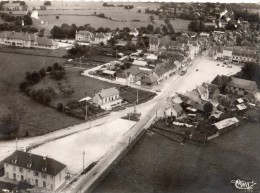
x,y
27,40
89,37
192,46
237,54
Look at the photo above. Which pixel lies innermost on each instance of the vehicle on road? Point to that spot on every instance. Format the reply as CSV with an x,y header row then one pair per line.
x,y
183,72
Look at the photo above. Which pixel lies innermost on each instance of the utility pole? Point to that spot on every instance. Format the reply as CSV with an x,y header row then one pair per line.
x,y
83,160
137,97
86,117
16,144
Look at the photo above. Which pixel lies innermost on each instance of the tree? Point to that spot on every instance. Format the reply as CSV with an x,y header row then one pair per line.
x,y
157,30
35,77
23,86
27,20
42,72
150,28
47,3
208,108
60,107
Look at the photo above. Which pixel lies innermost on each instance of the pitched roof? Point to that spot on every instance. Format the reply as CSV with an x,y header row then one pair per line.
x,y
18,35
242,83
35,162
85,33
139,63
177,108
109,92
149,79
45,41
100,35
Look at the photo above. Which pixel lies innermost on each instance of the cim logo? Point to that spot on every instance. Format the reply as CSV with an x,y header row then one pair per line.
x,y
242,185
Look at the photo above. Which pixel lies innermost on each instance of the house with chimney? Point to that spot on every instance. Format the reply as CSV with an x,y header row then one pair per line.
x,y
39,171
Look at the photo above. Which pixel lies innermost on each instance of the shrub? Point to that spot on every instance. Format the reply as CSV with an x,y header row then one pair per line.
x,y
47,99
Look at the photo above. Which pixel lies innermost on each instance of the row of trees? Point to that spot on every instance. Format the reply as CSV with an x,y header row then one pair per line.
x,y
17,20
199,26
17,28
250,71
246,15
56,71
69,31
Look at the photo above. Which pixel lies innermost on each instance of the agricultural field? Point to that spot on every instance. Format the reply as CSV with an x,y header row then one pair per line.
x,y
81,13
32,116
96,22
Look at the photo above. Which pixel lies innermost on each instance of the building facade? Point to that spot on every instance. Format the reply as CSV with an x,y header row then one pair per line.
x,y
84,36
106,96
39,171
26,40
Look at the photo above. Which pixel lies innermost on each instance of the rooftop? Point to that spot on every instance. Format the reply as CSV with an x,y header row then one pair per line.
x,y
35,162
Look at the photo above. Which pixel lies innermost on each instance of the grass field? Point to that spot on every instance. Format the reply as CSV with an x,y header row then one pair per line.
x,y
82,85
35,118
79,13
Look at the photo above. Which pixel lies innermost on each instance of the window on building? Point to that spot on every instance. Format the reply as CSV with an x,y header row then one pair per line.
x,y
60,175
21,170
6,165
44,176
14,168
22,178
29,180
44,184
36,173
7,174
51,186
29,171
36,182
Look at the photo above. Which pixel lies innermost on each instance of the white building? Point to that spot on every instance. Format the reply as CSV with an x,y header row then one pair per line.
x,y
39,171
134,32
106,96
84,36
26,40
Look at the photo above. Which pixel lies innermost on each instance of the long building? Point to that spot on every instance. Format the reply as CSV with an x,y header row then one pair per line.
x,y
27,40
39,171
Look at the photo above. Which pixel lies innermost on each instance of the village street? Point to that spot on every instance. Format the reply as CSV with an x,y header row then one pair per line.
x,y
59,140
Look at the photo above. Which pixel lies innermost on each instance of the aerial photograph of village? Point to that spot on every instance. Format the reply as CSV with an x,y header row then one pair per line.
x,y
129,97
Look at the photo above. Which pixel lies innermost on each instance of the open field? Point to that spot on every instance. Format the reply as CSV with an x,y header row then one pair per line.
x,y
96,22
96,142
32,116
82,85
157,164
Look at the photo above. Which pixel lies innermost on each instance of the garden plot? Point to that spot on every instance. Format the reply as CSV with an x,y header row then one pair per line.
x,y
96,142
